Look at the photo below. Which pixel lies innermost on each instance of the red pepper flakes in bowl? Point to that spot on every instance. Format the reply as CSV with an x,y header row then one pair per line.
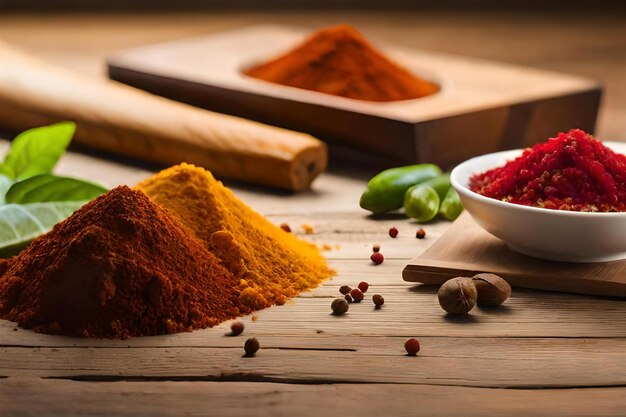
x,y
573,171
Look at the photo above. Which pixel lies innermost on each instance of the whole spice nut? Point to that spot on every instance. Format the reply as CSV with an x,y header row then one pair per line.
x,y
420,234
363,286
376,248
378,300
357,295
457,295
285,227
251,347
377,258
393,232
236,328
412,346
348,298
344,289
492,289
339,306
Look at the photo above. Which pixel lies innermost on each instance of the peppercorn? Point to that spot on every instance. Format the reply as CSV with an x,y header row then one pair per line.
x,y
376,248
236,328
412,346
285,227
457,295
344,289
363,286
377,258
339,306
348,298
492,289
393,232
357,295
420,234
251,347
378,300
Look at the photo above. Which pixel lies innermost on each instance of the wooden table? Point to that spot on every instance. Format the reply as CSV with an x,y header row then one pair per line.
x,y
542,353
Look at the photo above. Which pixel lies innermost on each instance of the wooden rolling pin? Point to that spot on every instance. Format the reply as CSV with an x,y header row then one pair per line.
x,y
120,119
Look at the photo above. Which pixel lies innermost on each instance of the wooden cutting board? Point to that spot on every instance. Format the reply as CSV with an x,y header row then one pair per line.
x,y
482,107
466,249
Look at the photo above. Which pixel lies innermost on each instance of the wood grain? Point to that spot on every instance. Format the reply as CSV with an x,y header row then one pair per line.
x,y
228,399
466,249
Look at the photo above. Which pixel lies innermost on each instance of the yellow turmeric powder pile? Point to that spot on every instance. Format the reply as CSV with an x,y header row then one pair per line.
x,y
271,264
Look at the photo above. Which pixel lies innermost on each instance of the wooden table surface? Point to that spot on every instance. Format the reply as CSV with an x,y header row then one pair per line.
x,y
542,353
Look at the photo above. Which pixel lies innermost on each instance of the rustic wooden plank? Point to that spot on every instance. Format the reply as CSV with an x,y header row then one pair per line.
x,y
516,362
73,398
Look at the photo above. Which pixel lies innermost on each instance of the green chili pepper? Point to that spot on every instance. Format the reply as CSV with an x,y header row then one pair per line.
x,y
440,183
385,192
451,206
421,202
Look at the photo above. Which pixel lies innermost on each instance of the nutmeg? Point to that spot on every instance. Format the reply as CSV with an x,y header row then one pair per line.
x,y
458,295
492,289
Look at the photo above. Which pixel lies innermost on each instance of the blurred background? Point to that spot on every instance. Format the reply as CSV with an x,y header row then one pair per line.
x,y
576,37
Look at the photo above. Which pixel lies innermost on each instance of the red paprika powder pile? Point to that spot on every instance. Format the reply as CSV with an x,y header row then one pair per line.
x,y
573,171
340,61
118,267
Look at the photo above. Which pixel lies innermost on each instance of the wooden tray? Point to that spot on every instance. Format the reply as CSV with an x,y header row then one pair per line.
x,y
466,249
482,107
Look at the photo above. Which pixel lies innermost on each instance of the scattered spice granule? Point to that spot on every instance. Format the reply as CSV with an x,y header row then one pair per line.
x,y
420,233
285,227
308,229
344,289
254,318
251,347
363,286
573,171
357,295
236,328
339,306
348,298
378,300
326,247
377,258
376,248
393,232
412,346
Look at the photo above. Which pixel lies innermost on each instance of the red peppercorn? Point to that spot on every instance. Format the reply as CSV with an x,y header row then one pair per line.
x,y
412,346
357,295
393,232
377,258
420,234
363,286
348,298
285,227
236,328
378,300
344,289
376,248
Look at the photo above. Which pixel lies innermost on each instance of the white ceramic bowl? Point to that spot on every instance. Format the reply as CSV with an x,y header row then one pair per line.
x,y
557,235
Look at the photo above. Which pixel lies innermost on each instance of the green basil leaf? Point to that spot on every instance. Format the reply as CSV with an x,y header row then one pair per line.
x,y
20,224
49,188
36,151
5,184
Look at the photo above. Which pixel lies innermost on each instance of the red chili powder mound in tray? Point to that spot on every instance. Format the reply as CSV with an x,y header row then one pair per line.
x,y
573,171
118,267
340,61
